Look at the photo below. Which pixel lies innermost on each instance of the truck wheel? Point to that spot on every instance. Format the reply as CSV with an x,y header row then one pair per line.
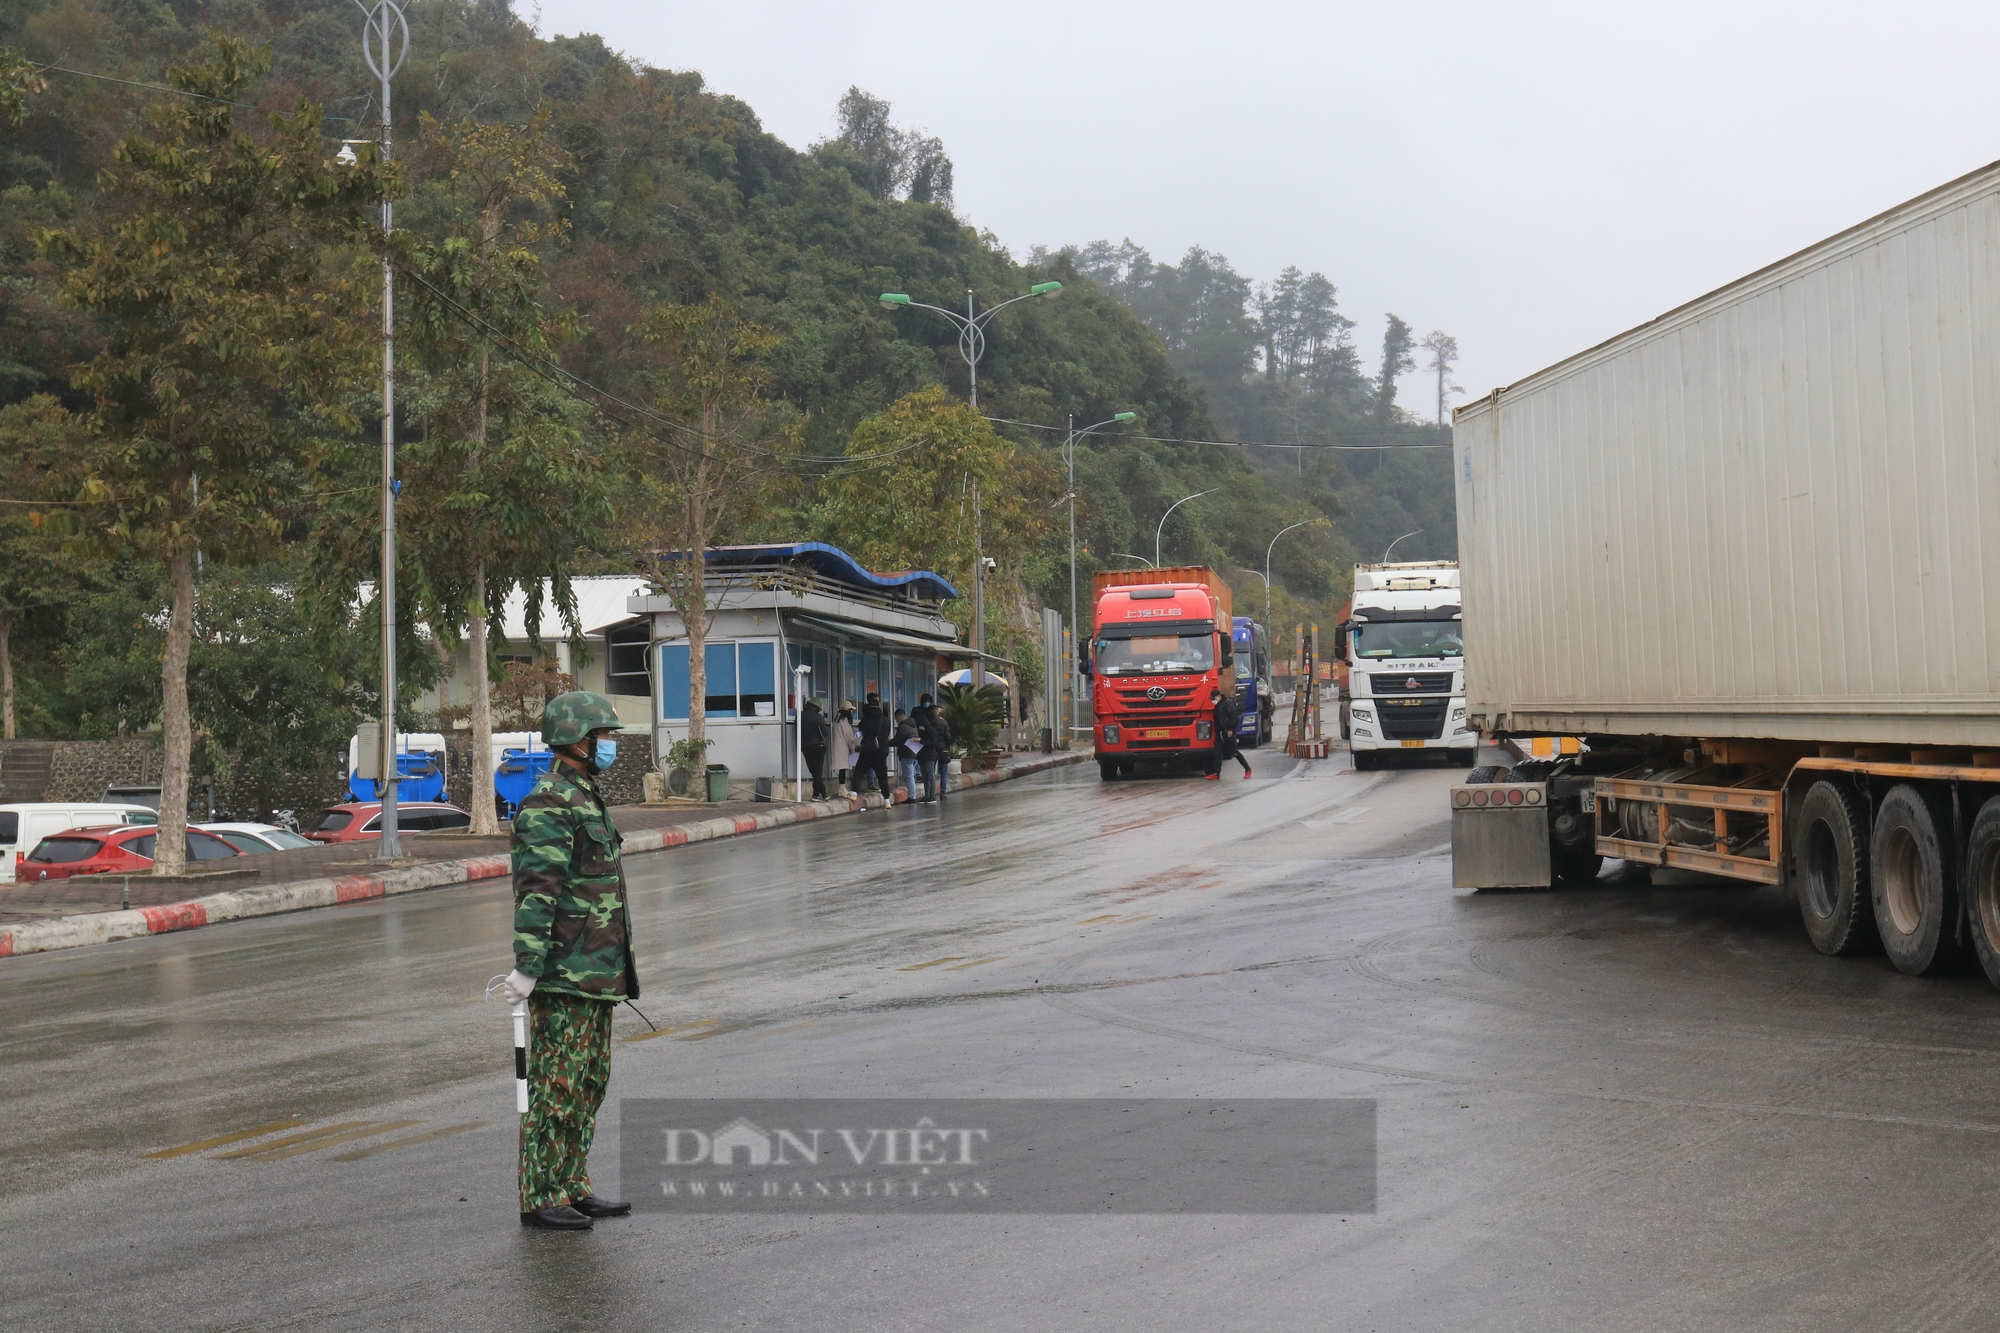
x,y
1914,883
1107,770
1575,865
1982,887
1485,773
1831,876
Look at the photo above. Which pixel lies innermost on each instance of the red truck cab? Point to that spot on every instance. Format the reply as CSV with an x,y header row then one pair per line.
x,y
1160,647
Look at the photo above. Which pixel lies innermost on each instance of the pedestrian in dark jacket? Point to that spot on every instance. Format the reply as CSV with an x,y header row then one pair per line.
x,y
1226,715
936,757
874,747
909,752
813,732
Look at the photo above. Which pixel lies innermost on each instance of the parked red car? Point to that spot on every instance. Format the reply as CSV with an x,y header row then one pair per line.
x,y
361,821
119,849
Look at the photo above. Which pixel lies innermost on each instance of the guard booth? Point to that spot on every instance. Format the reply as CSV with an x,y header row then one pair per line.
x,y
777,607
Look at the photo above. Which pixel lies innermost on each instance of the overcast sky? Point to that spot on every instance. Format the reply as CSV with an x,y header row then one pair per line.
x,y
1530,177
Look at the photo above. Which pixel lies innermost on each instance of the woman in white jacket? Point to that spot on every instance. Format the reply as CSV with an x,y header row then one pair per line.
x,y
840,754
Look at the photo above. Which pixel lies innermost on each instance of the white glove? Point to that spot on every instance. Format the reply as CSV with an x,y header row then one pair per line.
x,y
517,987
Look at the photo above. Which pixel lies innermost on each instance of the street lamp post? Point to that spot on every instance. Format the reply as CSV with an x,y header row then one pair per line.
x,y
1161,532
1069,457
1267,567
1392,545
971,326
1127,555
385,40
799,675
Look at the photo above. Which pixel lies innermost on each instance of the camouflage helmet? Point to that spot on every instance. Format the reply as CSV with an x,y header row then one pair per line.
x,y
571,717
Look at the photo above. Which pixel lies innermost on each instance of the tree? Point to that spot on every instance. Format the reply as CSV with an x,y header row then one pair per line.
x,y
708,456
503,484
1444,355
237,324
893,163
20,79
1397,360
35,579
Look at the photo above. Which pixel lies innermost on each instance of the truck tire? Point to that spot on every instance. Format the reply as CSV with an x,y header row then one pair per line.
x,y
1107,770
1982,887
1364,760
1575,865
1913,881
1831,875
1485,773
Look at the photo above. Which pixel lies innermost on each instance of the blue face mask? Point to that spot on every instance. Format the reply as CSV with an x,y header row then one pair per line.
x,y
604,755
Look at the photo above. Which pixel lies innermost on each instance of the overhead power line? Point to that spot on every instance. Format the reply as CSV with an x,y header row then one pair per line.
x,y
168,88
1226,444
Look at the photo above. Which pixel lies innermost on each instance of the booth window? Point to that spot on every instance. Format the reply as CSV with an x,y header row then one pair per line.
x,y
742,680
625,665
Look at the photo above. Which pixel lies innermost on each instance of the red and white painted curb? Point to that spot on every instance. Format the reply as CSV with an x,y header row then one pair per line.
x,y
70,932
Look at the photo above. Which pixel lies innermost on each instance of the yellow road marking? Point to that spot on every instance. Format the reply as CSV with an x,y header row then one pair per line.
x,y
1130,919
1093,920
222,1139
935,962
713,1032
668,1032
394,1144
289,1140
369,1132
976,963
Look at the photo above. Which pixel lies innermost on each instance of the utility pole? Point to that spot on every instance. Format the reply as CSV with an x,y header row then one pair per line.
x,y
1069,456
971,327
978,593
385,40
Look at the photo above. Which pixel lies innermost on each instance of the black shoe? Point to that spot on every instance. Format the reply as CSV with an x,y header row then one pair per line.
x,y
592,1206
557,1217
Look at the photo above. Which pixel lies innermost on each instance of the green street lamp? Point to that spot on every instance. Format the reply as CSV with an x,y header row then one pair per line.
x,y
971,326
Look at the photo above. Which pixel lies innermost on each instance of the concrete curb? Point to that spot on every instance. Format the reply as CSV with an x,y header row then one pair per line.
x,y
70,932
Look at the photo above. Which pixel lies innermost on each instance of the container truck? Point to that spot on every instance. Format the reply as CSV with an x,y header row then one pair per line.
x,y
1256,708
1748,554
1404,645
1161,643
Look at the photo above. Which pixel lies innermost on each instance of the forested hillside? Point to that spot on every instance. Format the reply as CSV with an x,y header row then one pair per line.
x,y
621,191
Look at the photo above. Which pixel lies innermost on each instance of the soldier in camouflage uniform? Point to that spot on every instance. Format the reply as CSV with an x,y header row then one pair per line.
x,y
572,960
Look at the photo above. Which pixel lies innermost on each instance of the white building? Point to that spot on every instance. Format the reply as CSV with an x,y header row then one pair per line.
x,y
780,606
613,656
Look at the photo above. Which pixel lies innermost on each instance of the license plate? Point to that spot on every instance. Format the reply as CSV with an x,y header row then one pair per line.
x,y
1157,734
1413,745
1589,802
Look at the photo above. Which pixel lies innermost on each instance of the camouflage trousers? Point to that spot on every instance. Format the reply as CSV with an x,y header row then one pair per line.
x,y
569,1063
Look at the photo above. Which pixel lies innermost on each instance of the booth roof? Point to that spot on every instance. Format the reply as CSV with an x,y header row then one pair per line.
x,y
833,563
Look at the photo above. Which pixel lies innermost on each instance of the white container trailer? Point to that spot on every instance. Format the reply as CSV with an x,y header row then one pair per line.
x,y
1751,550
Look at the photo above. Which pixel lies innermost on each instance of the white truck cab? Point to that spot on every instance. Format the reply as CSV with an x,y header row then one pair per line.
x,y
1404,645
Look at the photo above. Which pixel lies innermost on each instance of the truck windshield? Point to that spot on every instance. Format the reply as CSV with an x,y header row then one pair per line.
x,y
1166,652
1409,638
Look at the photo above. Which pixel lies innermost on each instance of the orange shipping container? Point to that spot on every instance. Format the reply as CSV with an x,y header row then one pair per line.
x,y
1139,578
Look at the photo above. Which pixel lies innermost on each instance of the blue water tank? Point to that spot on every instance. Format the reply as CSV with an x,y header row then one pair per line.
x,y
422,774
517,775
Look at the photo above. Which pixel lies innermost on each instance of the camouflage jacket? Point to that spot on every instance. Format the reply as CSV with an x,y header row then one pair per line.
x,y
572,928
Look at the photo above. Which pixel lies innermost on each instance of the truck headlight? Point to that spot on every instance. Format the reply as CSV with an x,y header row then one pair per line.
x,y
1365,715
1458,715
1202,730
1111,733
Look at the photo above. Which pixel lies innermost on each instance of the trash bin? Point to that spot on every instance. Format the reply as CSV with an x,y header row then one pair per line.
x,y
718,782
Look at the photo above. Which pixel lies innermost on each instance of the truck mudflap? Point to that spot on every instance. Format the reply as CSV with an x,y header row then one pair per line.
x,y
1500,837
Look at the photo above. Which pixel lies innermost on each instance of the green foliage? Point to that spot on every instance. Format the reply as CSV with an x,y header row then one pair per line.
x,y
973,712
689,753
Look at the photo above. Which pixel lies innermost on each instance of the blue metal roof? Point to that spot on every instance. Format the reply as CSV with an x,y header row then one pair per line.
x,y
835,564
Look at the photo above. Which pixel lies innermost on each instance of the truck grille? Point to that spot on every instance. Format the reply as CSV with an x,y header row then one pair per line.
x,y
1412,719
1169,697
1427,682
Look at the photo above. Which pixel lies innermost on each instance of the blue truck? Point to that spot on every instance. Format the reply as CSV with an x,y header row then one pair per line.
x,y
1253,683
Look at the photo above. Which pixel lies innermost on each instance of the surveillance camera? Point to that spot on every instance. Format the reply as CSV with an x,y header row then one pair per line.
x,y
990,562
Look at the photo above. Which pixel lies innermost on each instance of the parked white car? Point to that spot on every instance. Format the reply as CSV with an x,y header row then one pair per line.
x,y
26,823
256,839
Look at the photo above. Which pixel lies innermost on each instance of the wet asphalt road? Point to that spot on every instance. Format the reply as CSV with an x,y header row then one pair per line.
x,y
1615,1107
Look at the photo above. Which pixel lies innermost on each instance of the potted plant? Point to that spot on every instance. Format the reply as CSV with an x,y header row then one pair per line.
x,y
973,712
685,767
